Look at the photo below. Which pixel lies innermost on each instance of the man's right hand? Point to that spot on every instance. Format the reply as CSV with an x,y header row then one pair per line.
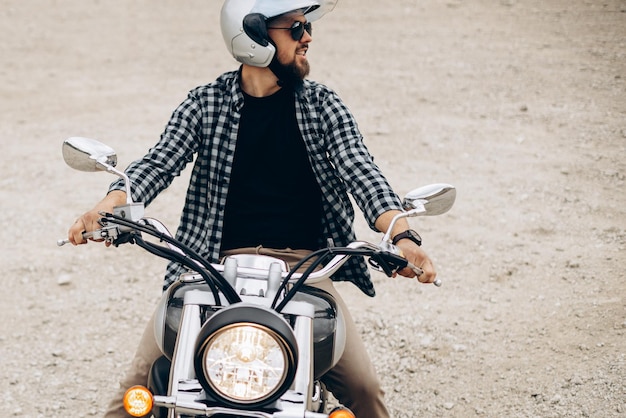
x,y
89,221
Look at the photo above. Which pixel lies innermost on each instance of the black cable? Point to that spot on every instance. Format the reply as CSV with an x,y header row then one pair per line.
x,y
297,285
295,268
228,291
172,255
326,252
223,284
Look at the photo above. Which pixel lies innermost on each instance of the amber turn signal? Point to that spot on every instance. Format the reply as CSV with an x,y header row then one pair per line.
x,y
138,401
341,413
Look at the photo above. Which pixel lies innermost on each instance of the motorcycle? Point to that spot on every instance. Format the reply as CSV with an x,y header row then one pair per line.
x,y
248,337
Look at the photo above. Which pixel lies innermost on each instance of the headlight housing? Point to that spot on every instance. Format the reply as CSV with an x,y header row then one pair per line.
x,y
246,356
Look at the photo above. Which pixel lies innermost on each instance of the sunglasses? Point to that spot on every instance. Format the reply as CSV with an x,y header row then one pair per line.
x,y
297,29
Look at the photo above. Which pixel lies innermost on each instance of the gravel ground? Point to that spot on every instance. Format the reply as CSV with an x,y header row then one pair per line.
x,y
520,104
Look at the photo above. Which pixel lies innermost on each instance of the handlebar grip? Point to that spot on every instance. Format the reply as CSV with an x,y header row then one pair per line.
x,y
418,272
86,235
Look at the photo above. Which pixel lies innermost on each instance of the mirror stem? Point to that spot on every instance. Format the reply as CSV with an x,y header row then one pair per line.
x,y
387,236
123,176
413,212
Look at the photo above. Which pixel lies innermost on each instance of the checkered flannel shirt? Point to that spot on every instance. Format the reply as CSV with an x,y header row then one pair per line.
x,y
205,126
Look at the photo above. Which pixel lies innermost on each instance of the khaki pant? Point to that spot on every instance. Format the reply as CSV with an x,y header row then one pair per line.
x,y
352,381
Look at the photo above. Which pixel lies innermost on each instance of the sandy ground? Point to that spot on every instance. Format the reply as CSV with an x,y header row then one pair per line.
x,y
520,104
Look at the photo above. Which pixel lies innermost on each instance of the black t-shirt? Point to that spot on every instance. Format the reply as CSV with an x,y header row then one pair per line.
x,y
273,198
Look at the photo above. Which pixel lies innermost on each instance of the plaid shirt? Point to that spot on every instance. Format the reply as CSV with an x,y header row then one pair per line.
x,y
205,126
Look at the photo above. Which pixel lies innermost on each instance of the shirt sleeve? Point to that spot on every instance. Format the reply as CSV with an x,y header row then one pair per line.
x,y
354,164
156,170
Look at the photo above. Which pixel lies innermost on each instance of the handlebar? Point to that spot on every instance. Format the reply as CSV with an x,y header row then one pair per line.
x,y
110,232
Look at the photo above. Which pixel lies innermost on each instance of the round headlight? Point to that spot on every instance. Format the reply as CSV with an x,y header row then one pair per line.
x,y
249,360
245,362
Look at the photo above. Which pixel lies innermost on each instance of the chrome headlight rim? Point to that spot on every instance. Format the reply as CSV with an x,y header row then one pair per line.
x,y
262,319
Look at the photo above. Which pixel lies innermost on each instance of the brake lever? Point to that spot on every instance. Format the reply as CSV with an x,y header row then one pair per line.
x,y
384,268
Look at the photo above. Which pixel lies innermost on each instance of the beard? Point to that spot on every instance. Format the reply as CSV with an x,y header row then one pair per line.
x,y
290,74
299,71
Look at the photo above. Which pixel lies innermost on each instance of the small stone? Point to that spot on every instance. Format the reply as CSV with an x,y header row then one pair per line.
x,y
448,405
459,347
64,280
576,380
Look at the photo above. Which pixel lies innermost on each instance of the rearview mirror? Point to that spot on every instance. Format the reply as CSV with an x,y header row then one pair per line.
x,y
430,200
434,198
86,154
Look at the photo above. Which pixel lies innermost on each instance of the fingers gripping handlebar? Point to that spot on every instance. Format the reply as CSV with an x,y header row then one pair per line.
x,y
97,234
418,272
108,232
390,262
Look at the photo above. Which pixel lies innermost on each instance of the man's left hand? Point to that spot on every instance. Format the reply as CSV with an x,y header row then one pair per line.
x,y
416,255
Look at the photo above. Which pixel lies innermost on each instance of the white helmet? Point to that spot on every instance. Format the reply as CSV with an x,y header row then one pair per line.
x,y
244,29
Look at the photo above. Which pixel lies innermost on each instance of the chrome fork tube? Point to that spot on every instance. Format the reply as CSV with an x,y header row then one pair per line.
x,y
303,382
182,360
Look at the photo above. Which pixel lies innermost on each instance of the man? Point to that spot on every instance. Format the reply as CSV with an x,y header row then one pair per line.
x,y
276,156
